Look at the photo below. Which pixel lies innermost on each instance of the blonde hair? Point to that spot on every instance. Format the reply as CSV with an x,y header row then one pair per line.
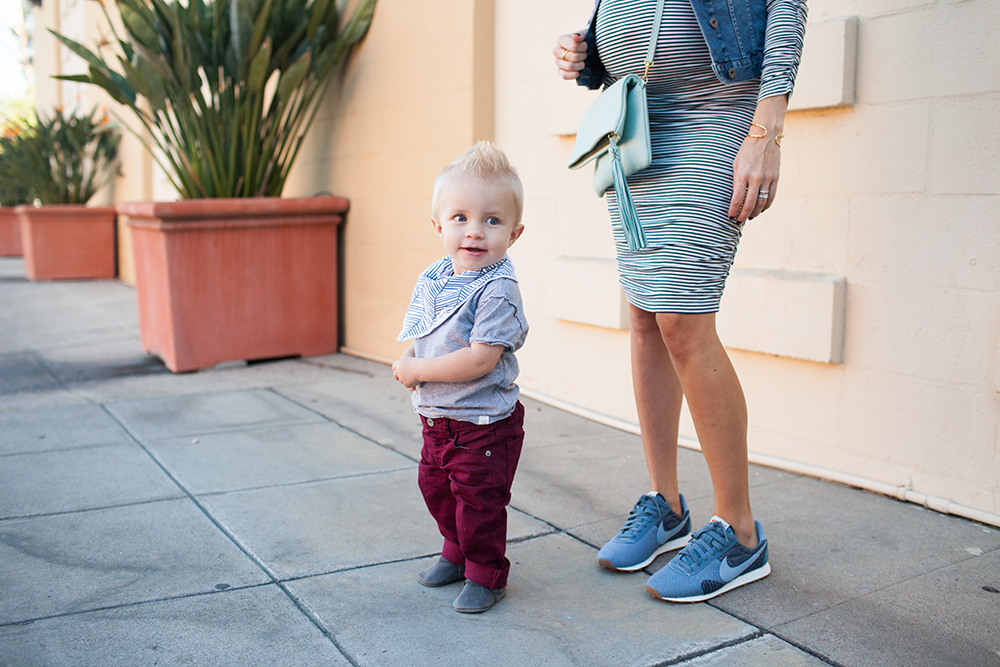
x,y
485,161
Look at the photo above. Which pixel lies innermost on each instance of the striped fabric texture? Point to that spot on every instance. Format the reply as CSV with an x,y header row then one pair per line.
x,y
439,293
697,125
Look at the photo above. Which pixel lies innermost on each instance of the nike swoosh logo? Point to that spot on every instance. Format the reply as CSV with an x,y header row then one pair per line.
x,y
728,573
661,535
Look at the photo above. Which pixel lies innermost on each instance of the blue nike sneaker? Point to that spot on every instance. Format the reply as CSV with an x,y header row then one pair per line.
x,y
712,563
652,528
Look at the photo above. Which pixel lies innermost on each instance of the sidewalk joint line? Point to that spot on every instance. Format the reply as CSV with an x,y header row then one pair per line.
x,y
239,544
363,566
713,649
83,510
317,621
304,482
347,428
135,603
802,647
55,450
316,364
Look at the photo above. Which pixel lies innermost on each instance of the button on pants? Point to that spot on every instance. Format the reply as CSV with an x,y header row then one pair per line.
x,y
465,475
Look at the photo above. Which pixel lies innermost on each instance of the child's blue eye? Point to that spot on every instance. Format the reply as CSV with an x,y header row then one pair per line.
x,y
460,217
493,221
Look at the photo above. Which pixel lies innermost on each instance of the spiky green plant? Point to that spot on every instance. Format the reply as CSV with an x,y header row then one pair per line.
x,y
230,86
61,160
12,189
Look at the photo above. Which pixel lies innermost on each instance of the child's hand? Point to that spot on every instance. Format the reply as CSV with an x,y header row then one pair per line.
x,y
405,371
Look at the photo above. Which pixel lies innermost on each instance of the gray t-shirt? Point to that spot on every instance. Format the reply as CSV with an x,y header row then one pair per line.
x,y
492,316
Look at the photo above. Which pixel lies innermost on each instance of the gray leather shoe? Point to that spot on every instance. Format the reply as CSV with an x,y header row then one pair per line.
x,y
441,573
475,599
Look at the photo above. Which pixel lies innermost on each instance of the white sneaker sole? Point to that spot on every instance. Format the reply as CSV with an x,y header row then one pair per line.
x,y
741,580
670,545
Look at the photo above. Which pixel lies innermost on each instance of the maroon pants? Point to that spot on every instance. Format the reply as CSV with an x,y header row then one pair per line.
x,y
465,475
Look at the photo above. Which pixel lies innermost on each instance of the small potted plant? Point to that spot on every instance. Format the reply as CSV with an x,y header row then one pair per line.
x,y
60,163
225,91
12,190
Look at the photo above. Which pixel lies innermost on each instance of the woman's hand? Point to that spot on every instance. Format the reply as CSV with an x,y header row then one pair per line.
x,y
570,52
756,167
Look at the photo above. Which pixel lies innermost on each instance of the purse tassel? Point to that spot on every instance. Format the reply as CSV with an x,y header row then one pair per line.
x,y
626,207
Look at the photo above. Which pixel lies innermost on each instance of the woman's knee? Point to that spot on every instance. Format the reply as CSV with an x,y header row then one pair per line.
x,y
643,327
685,333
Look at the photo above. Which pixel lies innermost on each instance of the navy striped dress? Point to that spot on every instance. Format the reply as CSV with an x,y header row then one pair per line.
x,y
697,125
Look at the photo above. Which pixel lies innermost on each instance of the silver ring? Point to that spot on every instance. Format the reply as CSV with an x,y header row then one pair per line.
x,y
762,194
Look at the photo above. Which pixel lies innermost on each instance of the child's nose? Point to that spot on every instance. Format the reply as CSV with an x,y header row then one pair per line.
x,y
475,230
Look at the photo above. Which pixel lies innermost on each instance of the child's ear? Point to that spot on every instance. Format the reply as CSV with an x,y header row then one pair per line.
x,y
437,226
516,234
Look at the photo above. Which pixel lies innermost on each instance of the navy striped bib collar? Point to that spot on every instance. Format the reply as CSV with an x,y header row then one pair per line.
x,y
439,294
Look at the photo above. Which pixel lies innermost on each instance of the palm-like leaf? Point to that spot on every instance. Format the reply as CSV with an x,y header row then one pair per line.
x,y
62,160
204,69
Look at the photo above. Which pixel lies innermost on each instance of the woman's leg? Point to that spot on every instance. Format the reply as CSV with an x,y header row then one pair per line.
x,y
658,402
718,408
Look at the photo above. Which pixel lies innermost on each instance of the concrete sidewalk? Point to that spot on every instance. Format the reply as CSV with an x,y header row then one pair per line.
x,y
268,514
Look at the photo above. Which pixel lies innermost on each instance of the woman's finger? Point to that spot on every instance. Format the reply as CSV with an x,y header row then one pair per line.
x,y
760,204
772,192
752,202
570,53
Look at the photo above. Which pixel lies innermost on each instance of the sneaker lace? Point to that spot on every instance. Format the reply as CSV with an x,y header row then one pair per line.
x,y
644,511
705,545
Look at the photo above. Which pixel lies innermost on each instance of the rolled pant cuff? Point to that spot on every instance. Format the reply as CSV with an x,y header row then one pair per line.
x,y
489,577
453,553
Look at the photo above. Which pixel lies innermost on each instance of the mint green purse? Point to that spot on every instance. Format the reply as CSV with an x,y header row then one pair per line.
x,y
615,134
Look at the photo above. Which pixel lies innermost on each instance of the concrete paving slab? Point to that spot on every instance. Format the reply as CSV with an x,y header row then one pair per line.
x,y
350,364
374,406
545,426
12,269
321,527
237,376
89,560
100,310
620,494
274,456
235,628
21,373
579,483
941,619
80,479
61,427
765,651
9,343
39,400
155,419
106,359
561,609
814,549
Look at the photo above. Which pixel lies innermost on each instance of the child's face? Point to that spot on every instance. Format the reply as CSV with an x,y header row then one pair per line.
x,y
475,219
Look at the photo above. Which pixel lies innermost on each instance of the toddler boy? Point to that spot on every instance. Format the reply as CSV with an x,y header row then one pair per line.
x,y
466,321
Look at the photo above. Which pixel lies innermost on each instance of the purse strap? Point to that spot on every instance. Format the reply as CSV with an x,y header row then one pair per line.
x,y
652,40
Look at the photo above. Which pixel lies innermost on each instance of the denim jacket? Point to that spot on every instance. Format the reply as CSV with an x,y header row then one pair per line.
x,y
733,30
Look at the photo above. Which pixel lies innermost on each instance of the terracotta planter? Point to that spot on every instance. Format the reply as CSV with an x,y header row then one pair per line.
x,y
68,241
232,279
10,233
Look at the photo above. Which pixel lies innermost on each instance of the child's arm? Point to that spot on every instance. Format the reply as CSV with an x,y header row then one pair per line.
x,y
468,363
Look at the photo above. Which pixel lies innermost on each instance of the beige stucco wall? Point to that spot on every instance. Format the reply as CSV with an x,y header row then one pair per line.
x,y
897,193
894,201
417,93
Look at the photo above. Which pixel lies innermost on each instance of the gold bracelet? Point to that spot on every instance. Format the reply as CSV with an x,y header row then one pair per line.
x,y
776,142
758,136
